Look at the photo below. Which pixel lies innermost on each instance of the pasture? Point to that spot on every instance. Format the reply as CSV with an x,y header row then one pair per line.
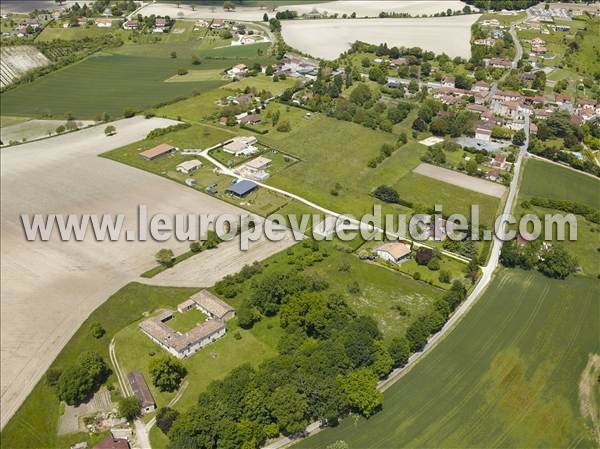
x,y
506,376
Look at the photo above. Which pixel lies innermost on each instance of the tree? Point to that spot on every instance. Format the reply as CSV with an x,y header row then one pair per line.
x,y
419,124
60,129
74,385
165,417
399,349
166,373
386,194
360,387
130,408
97,330
195,247
557,263
165,257
265,17
95,365
423,256
284,126
52,376
196,60
173,54
519,137
439,126
361,94
228,6
110,130
289,408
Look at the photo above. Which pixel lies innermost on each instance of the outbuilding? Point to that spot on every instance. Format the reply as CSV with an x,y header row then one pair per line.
x,y
241,188
187,167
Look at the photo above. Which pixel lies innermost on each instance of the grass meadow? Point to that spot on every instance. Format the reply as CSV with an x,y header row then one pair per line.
x,y
507,376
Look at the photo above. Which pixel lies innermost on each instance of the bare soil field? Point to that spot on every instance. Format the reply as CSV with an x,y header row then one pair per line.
x,y
205,269
16,61
34,129
330,37
461,180
361,8
373,8
49,288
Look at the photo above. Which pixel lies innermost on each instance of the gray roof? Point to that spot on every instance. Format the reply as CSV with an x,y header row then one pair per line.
x,y
242,187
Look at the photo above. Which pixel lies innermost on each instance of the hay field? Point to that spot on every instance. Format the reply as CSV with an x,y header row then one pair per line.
x,y
330,37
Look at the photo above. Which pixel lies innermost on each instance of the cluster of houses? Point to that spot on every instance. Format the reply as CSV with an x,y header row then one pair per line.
x,y
183,345
161,25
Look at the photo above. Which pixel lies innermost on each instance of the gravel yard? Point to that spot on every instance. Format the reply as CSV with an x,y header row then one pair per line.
x,y
461,180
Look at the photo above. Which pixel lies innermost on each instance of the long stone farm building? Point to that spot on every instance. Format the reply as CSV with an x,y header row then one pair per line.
x,y
185,344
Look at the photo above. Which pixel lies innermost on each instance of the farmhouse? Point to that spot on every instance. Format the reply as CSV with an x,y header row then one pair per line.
x,y
141,391
178,344
488,42
158,151
210,305
483,132
394,252
131,24
161,25
238,70
481,86
217,24
250,119
240,146
500,63
256,168
188,166
103,22
448,81
399,61
111,442
241,188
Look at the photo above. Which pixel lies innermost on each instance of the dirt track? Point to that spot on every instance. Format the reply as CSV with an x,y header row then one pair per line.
x,y
461,180
49,288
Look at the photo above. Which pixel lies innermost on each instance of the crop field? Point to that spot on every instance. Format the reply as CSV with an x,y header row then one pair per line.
x,y
103,83
131,76
506,376
552,181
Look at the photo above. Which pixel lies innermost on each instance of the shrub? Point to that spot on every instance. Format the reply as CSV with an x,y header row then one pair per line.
x,y
97,330
165,417
423,256
433,265
130,407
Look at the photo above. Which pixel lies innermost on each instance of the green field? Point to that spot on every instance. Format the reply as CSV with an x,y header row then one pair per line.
x,y
507,376
553,181
333,151
570,185
35,422
102,83
262,82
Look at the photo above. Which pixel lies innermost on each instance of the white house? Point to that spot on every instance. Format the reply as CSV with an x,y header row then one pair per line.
x,y
484,134
187,167
394,252
239,146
